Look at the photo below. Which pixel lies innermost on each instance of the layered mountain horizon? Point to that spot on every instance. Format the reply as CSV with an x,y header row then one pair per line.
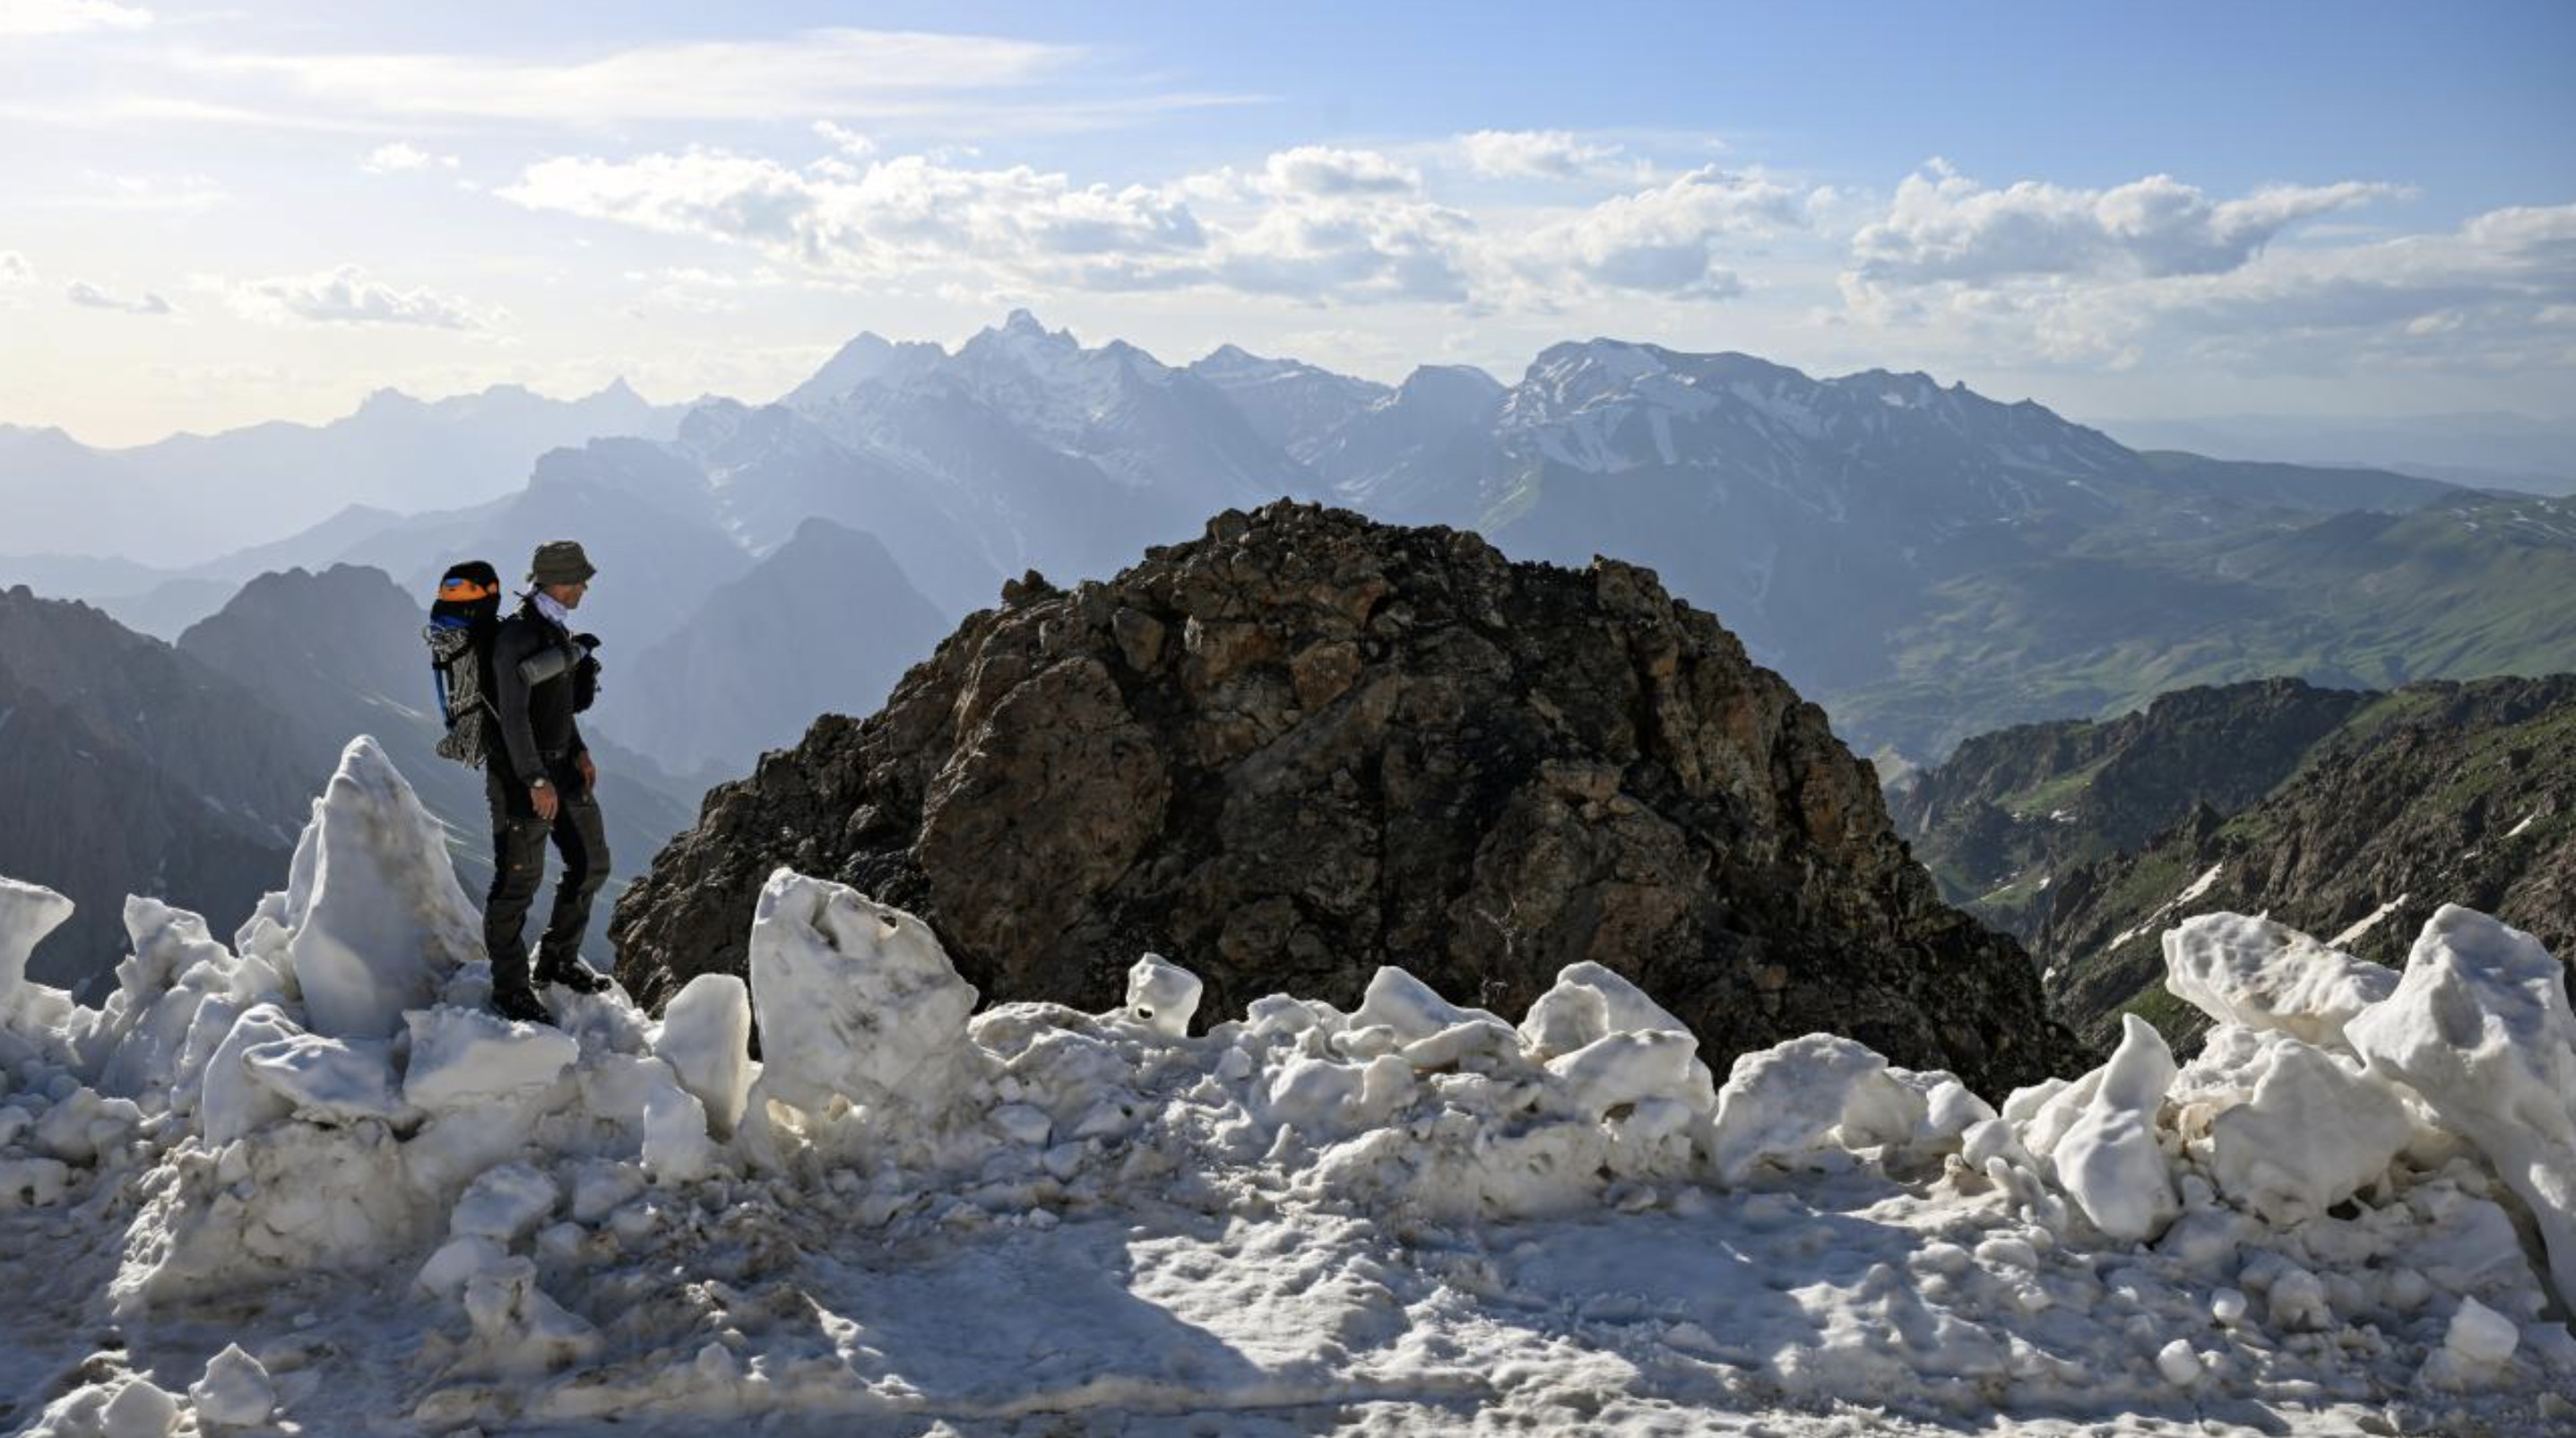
x,y
1925,561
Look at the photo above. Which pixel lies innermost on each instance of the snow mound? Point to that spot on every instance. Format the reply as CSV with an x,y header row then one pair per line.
x,y
2265,975
858,1005
383,920
921,1214
2480,1028
2110,1159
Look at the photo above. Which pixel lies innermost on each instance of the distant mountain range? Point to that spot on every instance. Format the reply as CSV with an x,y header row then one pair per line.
x,y
2350,815
1927,563
188,499
2494,450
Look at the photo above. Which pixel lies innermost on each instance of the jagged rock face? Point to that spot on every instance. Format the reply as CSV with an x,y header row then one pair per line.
x,y
1306,745
2457,793
2010,811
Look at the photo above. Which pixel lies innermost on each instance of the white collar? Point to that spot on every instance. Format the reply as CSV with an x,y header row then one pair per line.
x,y
553,609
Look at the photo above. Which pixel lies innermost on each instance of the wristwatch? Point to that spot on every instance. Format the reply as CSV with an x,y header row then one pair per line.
x,y
539,784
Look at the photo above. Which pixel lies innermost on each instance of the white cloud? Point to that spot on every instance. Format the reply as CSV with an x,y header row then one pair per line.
x,y
890,215
694,290
1944,226
842,72
2477,298
349,296
1668,239
68,17
102,191
82,292
1309,225
1322,170
846,140
16,274
399,156
1538,154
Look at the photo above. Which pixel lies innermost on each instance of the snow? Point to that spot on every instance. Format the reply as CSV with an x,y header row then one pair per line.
x,y
706,1037
2266,975
465,1060
2480,1028
2109,1159
1162,994
235,1392
384,919
2527,821
2190,891
915,1217
2370,921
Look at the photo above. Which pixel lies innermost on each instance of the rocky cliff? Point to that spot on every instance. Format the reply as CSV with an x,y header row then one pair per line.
x,y
128,767
2436,793
2009,812
1305,744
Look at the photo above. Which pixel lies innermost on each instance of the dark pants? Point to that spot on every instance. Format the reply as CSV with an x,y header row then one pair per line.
x,y
519,870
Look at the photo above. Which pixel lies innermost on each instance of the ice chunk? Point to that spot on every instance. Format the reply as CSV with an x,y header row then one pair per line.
x,y
1163,994
2480,1027
505,1204
676,1146
2313,1133
1454,1045
2265,975
2298,1300
85,1125
706,1039
1564,1019
140,1409
28,912
384,920
1624,1069
1792,1099
1588,1002
1399,1001
2109,1161
464,1058
326,1076
1314,1092
136,1044
856,1001
2479,1334
600,1187
235,1393
457,1261
32,1182
234,1103
517,1328
1024,1124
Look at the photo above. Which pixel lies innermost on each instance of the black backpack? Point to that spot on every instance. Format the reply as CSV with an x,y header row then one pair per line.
x,y
462,620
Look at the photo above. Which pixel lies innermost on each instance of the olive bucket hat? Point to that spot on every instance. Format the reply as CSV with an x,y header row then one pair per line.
x,y
560,561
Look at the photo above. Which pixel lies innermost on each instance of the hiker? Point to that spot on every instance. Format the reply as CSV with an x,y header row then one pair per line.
x,y
540,783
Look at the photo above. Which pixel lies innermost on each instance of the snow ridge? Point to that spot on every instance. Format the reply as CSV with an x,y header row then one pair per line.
x,y
914,1212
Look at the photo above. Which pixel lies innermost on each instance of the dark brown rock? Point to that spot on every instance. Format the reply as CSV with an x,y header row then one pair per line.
x,y
1307,745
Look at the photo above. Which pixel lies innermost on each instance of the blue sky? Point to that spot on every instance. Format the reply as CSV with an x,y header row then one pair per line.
x,y
221,215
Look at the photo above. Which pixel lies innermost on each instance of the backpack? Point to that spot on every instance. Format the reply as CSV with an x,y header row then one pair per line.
x,y
462,621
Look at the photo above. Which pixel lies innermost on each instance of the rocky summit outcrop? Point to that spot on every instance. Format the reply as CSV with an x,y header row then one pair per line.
x,y
1306,745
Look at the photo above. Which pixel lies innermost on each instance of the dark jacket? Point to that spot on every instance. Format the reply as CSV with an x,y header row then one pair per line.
x,y
537,728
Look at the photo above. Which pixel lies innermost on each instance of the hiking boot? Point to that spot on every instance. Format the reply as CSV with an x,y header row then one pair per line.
x,y
520,1006
573,974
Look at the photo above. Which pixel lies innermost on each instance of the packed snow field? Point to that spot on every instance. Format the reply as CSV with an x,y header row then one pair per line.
x,y
305,1183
